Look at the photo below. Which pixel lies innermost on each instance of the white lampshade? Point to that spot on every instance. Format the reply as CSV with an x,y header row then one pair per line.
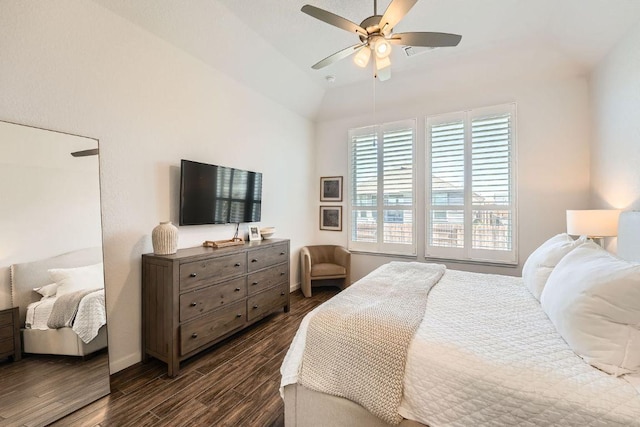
x,y
593,222
362,57
382,47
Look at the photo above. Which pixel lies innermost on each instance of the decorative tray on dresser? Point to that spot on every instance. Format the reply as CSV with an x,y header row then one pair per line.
x,y
199,296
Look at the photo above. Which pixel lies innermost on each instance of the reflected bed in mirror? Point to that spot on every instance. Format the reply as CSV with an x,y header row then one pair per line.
x,y
52,242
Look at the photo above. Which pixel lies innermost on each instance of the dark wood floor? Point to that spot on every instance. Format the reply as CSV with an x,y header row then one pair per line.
x,y
234,383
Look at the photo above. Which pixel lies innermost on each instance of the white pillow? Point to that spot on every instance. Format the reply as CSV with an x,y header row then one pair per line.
x,y
47,291
79,278
541,262
593,299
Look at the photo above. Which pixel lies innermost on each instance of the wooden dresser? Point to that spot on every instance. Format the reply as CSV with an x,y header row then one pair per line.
x,y
10,345
199,296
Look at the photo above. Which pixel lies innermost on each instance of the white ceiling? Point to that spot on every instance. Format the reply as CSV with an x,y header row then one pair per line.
x,y
269,45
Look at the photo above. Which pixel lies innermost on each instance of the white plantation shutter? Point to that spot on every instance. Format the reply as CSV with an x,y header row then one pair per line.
x,y
471,182
446,215
382,176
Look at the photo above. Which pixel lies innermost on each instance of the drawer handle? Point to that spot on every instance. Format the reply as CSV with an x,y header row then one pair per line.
x,y
282,253
254,260
238,315
237,289
193,304
255,306
282,273
282,294
237,264
254,283
193,275
194,335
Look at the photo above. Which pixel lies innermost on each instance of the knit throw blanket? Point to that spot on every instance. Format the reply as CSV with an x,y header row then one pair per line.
x,y
65,308
357,342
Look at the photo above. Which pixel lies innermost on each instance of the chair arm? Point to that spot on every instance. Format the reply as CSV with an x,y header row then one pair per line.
x,y
343,257
305,262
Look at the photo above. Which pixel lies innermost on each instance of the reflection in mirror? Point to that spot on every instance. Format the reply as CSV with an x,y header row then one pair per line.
x,y
53,338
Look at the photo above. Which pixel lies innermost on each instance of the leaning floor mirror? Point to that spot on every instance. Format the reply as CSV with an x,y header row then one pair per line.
x,y
53,332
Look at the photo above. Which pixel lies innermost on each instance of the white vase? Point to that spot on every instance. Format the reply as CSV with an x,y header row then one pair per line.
x,y
165,238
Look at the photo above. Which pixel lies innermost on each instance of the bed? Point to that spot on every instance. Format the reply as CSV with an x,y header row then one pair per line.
x,y
89,317
484,353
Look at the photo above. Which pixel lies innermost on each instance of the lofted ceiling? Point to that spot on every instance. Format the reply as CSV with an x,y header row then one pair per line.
x,y
270,46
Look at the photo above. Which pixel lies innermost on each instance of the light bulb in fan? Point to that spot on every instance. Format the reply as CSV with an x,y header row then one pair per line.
x,y
382,47
362,57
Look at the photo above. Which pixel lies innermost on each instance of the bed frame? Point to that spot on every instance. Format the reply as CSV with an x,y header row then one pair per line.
x,y
307,408
25,277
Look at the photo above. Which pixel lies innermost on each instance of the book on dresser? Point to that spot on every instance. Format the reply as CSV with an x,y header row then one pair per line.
x,y
199,296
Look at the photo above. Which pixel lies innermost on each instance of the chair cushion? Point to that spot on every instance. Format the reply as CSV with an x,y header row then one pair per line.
x,y
326,269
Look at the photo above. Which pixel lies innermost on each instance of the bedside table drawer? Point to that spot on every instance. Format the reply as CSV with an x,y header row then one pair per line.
x,y
6,332
6,318
6,346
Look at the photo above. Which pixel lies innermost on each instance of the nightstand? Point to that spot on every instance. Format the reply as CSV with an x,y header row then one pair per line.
x,y
10,345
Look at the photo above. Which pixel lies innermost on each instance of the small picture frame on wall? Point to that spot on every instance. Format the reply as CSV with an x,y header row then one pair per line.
x,y
331,189
331,218
254,233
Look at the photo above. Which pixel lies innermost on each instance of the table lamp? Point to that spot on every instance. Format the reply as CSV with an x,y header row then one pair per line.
x,y
593,223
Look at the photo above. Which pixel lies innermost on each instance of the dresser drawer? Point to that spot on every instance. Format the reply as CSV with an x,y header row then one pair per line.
x,y
6,318
265,302
267,278
195,303
201,331
265,257
6,346
200,273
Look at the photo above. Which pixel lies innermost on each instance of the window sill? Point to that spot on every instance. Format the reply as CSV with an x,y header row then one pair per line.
x,y
474,262
383,254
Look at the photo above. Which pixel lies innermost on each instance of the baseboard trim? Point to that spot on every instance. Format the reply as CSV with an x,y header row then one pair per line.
x,y
294,287
123,363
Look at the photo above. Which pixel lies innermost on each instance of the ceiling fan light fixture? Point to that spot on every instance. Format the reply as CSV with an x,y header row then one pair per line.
x,y
382,47
362,57
382,63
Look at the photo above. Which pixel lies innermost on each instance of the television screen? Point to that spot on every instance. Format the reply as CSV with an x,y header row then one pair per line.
x,y
212,194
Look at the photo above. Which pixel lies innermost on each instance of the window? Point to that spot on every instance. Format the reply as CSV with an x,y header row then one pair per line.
x,y
382,174
470,201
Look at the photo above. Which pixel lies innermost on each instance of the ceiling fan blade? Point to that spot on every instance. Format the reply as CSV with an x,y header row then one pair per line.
x,y
338,56
426,39
333,19
394,13
84,153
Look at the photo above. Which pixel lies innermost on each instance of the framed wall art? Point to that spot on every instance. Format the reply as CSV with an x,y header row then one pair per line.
x,y
331,189
331,218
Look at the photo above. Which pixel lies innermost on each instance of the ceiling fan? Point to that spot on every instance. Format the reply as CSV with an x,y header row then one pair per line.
x,y
376,34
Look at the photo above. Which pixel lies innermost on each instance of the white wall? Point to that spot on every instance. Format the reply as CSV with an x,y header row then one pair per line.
x,y
73,66
615,88
552,151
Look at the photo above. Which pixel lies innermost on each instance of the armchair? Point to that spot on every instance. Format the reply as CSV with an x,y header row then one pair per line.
x,y
323,262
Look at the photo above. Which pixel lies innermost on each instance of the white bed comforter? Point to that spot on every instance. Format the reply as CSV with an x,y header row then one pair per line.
x,y
90,318
486,354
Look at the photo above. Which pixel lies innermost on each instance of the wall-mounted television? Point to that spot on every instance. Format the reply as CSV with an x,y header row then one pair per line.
x,y
212,194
